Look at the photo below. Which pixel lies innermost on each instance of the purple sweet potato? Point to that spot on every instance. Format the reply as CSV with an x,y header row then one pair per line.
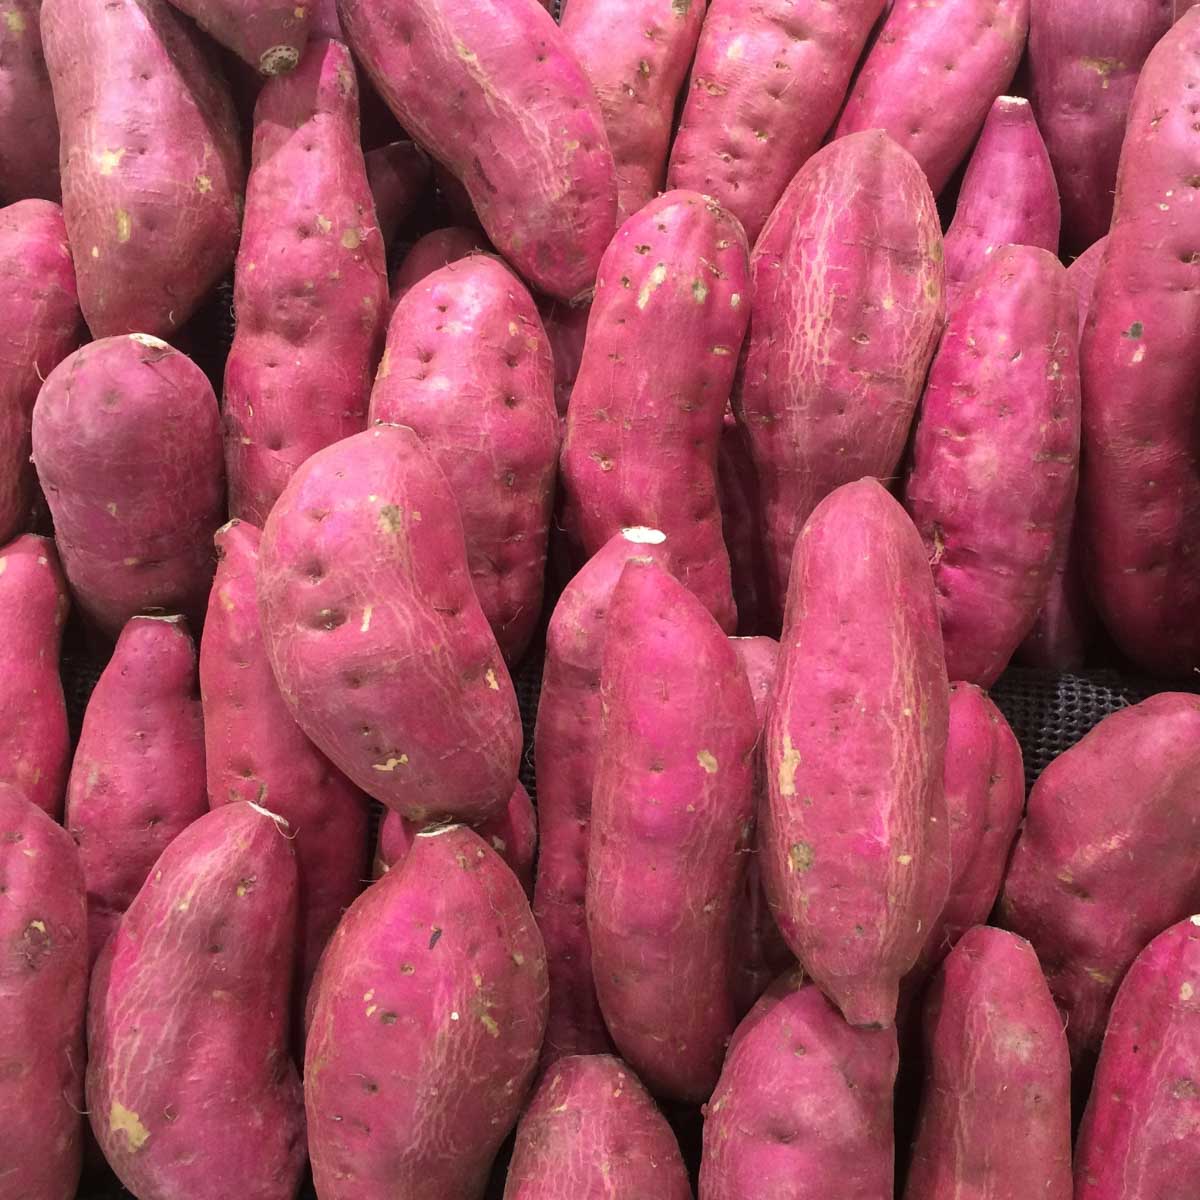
x,y
1082,273
1182,6
398,174
996,454
995,1116
35,746
127,444
644,423
1084,60
28,125
40,325
804,1107
738,485
137,779
381,650
1112,828
765,88
672,815
256,751
188,1019
152,170
493,92
591,1132
431,252
429,1015
846,310
566,749
932,75
566,327
311,284
1140,359
854,832
270,35
468,366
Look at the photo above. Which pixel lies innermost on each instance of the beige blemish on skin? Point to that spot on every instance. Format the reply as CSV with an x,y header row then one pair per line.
x,y
888,303
655,281
126,1121
490,676
389,518
203,184
721,351
1186,991
737,48
109,160
800,857
788,765
95,251
1138,354
124,225
734,300
366,621
40,926
15,22
324,224
467,56
391,764
708,761
699,291
904,859
351,239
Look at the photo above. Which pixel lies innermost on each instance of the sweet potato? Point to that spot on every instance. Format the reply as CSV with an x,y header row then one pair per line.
x,y
846,310
1113,826
996,456
188,1019
429,1015
853,836
468,366
376,638
1082,273
672,814
644,424
1084,60
431,252
804,1107
35,747
932,75
398,174
1182,6
740,505
566,327
566,748
493,93
127,444
591,1131
270,35
152,170
28,124
1140,358
40,325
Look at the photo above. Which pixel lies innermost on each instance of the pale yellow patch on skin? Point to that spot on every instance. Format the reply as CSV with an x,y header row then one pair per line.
x,y
15,22
40,926
788,765
708,761
95,251
737,48
366,621
109,160
126,1121
299,12
324,224
385,366
1139,354
124,225
699,290
904,859
351,239
1186,991
3,565
491,680
391,764
734,300
656,279
203,184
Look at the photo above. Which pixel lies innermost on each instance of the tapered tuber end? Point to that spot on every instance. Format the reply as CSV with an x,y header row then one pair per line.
x,y
866,1003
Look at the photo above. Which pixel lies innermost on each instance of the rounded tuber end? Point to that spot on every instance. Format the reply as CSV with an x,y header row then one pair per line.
x,y
278,60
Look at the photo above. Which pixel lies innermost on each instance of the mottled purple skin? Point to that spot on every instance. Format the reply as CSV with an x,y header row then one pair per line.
x,y
152,168
995,1116
28,125
766,86
853,836
804,1107
494,93
35,746
1140,358
737,481
256,751
591,1132
190,1088
846,310
1107,856
1084,60
566,749
429,1015
644,423
398,174
380,648
127,445
672,816
43,991
468,366
431,252
137,779
1138,1137
270,35
310,289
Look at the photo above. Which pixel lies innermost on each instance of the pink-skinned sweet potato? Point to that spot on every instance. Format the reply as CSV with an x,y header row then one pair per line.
x,y
672,816
737,478
644,423
188,1019
765,88
310,289
1182,6
1137,1140
591,1132
1113,827
127,445
398,174
1084,60
566,327
137,779
270,35
996,456
40,325
932,75
468,366
846,310
494,93
995,1116
1140,358
35,746
429,254
636,54
152,169
853,836
803,1110
28,124
256,751
429,1015
381,650
566,749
